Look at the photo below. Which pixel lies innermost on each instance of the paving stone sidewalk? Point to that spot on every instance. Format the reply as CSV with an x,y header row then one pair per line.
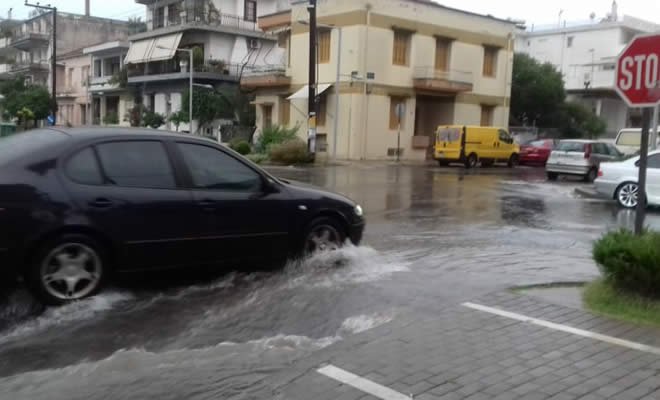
x,y
462,353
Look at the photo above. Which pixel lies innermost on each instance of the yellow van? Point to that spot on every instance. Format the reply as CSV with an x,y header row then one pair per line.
x,y
471,144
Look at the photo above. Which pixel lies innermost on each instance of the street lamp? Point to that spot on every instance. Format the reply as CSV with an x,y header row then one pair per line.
x,y
190,72
336,122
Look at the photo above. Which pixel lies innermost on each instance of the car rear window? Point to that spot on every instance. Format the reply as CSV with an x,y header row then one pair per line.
x,y
540,143
629,139
576,147
18,145
449,135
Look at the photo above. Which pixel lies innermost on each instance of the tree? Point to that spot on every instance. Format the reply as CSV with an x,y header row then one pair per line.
x,y
24,115
177,118
537,92
152,119
577,120
19,96
207,106
136,25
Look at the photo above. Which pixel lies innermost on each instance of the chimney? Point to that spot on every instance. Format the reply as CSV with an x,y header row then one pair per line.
x,y
615,11
87,8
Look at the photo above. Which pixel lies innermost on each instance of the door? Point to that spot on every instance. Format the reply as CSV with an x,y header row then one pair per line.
x,y
245,219
504,145
128,191
653,179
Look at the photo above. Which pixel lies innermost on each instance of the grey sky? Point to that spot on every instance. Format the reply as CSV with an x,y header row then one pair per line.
x,y
538,12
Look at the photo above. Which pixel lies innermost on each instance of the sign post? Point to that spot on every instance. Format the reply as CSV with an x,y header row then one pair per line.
x,y
637,82
400,110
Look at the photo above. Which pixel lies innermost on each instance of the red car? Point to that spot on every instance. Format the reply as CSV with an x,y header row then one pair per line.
x,y
537,151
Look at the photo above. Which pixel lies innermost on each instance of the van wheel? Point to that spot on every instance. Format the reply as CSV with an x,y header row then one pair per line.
x,y
471,161
514,161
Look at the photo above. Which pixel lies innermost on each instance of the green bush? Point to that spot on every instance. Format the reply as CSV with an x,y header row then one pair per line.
x,y
257,158
240,146
111,118
629,262
152,119
290,152
274,135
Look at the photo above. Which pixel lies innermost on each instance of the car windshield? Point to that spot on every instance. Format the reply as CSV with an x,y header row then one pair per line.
x,y
576,147
17,145
630,138
449,135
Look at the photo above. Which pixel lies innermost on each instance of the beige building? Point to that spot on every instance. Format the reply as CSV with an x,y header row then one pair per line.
x,y
444,65
72,84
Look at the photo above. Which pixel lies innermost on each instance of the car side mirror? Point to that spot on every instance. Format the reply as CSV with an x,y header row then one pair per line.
x,y
269,186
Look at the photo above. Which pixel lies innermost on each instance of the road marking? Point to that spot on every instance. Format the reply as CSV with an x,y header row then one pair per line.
x,y
565,328
362,384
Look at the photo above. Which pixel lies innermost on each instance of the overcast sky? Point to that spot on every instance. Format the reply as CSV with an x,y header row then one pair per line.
x,y
538,12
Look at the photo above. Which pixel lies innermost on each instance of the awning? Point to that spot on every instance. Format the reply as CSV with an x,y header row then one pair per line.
x,y
157,49
303,93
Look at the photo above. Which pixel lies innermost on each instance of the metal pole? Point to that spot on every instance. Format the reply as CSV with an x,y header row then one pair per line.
x,y
54,66
336,127
190,97
654,129
643,162
312,77
398,141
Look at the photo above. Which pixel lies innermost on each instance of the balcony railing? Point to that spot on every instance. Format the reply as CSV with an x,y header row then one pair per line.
x,y
430,78
30,65
212,19
173,66
265,76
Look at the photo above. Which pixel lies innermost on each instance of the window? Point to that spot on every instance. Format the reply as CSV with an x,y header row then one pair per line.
x,y
442,48
173,14
394,119
137,164
97,68
487,115
114,66
573,147
324,46
569,41
654,161
599,148
213,169
490,61
629,138
609,67
613,151
285,111
250,10
322,107
69,78
400,50
159,17
504,136
267,115
449,135
83,168
84,75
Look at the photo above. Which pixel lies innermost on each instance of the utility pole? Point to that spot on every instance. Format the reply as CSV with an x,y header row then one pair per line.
x,y
53,61
311,143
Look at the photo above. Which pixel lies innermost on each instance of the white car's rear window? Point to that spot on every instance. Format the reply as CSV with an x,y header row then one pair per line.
x,y
576,147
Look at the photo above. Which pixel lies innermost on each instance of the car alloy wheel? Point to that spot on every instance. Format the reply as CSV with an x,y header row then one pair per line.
x,y
323,235
71,271
627,195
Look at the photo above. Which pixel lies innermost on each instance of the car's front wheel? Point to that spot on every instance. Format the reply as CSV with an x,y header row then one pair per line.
x,y
552,176
514,161
591,175
472,161
627,195
68,268
323,234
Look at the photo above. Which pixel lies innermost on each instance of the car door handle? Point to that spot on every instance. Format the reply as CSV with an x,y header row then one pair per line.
x,y
101,202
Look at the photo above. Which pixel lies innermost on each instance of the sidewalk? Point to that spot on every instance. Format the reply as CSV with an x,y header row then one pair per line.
x,y
521,347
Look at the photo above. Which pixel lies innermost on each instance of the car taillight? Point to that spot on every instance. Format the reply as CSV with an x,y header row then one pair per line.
x,y
587,150
600,172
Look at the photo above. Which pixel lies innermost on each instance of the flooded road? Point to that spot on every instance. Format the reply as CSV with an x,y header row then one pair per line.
x,y
435,236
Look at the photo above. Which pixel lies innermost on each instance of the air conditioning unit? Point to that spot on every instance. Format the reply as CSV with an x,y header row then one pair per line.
x,y
253,44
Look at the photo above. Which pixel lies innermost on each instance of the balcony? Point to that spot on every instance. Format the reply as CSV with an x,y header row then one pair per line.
x,y
5,46
599,79
32,67
264,77
211,70
452,81
29,40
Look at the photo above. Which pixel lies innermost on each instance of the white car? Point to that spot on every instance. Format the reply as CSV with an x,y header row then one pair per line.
x,y
629,140
618,180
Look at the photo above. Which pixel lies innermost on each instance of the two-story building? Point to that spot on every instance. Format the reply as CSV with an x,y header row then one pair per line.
x,y
586,56
445,66
226,40
27,48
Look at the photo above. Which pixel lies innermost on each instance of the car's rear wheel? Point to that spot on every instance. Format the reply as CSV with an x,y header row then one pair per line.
x,y
552,176
323,234
471,161
514,161
591,175
627,195
68,268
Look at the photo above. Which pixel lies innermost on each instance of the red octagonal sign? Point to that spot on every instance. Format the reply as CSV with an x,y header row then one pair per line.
x,y
638,71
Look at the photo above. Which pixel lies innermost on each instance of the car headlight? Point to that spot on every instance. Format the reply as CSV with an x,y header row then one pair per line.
x,y
358,210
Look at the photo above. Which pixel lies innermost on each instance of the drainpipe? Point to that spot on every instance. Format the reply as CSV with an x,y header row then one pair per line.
x,y
365,100
507,81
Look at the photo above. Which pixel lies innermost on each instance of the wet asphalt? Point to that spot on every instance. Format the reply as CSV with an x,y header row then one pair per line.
x,y
435,237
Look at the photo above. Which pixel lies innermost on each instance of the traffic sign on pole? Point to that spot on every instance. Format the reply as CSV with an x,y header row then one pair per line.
x,y
638,84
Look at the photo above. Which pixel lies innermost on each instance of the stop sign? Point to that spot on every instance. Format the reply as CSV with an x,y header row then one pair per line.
x,y
638,71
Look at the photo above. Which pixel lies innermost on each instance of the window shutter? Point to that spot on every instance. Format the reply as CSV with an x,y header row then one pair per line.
x,y
442,54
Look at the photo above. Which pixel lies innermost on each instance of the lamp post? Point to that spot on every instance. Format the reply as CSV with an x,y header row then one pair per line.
x,y
190,73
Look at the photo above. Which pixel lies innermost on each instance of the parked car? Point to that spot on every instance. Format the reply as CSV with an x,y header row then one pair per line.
x,y
537,152
618,181
471,144
78,204
629,140
580,157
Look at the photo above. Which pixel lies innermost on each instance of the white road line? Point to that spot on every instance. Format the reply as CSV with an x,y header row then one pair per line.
x,y
565,328
360,383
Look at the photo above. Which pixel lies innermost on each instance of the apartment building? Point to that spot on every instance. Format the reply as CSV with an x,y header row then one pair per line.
x,y
227,42
72,85
445,66
586,54
28,46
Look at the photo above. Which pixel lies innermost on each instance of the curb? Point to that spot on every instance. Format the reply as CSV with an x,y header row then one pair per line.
x,y
588,192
